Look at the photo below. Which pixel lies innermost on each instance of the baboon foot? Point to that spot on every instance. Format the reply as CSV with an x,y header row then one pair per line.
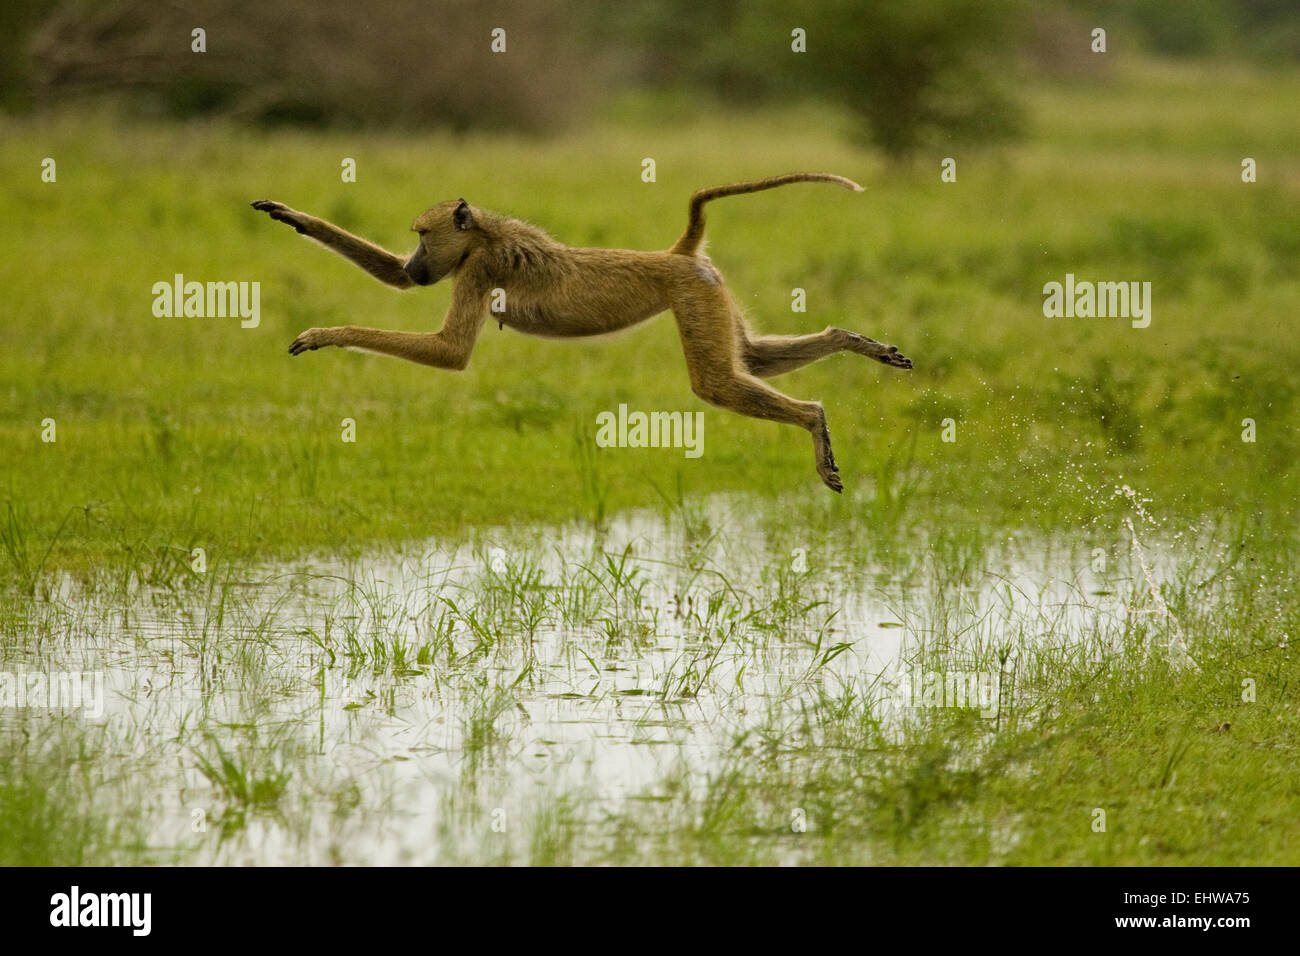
x,y
888,354
832,480
281,213
826,467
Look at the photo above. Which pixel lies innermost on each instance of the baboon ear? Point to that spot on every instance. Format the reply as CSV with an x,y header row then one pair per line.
x,y
463,218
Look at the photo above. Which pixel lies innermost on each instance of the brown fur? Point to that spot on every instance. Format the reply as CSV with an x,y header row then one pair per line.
x,y
553,290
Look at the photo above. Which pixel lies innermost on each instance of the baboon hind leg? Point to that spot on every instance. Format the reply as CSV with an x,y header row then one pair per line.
x,y
768,355
704,321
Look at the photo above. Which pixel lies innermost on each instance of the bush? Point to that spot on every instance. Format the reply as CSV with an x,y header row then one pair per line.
x,y
405,62
914,73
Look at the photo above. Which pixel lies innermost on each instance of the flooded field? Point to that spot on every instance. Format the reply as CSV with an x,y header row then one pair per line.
x,y
466,703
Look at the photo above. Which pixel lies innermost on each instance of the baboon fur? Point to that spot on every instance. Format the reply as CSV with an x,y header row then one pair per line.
x,y
553,290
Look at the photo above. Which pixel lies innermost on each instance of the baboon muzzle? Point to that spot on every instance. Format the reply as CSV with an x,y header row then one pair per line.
x,y
418,270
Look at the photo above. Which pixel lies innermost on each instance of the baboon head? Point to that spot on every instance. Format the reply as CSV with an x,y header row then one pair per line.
x,y
446,234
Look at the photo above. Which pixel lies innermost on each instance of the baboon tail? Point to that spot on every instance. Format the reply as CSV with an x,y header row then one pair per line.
x,y
690,240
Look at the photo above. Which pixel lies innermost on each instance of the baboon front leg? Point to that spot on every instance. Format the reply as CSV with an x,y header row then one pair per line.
x,y
768,355
379,262
427,348
449,347
708,340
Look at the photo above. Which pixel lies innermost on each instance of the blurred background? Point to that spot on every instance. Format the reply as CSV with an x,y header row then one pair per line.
x,y
1125,165
945,70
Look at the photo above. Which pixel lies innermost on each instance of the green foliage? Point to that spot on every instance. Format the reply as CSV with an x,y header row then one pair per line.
x,y
915,74
912,74
174,433
281,62
1259,29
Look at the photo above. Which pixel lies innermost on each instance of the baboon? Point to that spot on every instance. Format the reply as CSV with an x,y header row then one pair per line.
x,y
549,289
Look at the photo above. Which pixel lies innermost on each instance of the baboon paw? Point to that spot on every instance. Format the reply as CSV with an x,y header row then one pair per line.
x,y
895,358
888,354
280,213
310,340
826,467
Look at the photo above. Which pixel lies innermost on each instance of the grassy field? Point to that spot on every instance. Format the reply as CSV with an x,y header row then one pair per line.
x,y
184,433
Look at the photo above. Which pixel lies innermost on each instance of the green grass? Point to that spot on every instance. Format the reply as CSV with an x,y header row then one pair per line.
x,y
180,433
53,789
176,434
1187,765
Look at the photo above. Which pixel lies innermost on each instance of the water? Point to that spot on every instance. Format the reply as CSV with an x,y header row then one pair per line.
x,y
415,706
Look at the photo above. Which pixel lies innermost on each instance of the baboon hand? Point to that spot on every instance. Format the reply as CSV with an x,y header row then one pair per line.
x,y
895,358
282,213
310,340
888,354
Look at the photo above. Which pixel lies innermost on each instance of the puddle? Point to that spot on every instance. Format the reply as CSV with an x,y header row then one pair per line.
x,y
374,710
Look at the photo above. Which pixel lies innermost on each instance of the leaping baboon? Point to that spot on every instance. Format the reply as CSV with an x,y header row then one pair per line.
x,y
549,289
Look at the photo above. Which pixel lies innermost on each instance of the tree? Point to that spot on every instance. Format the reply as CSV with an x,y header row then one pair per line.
x,y
915,72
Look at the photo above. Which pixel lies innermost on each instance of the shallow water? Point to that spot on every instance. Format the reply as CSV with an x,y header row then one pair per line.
x,y
424,704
